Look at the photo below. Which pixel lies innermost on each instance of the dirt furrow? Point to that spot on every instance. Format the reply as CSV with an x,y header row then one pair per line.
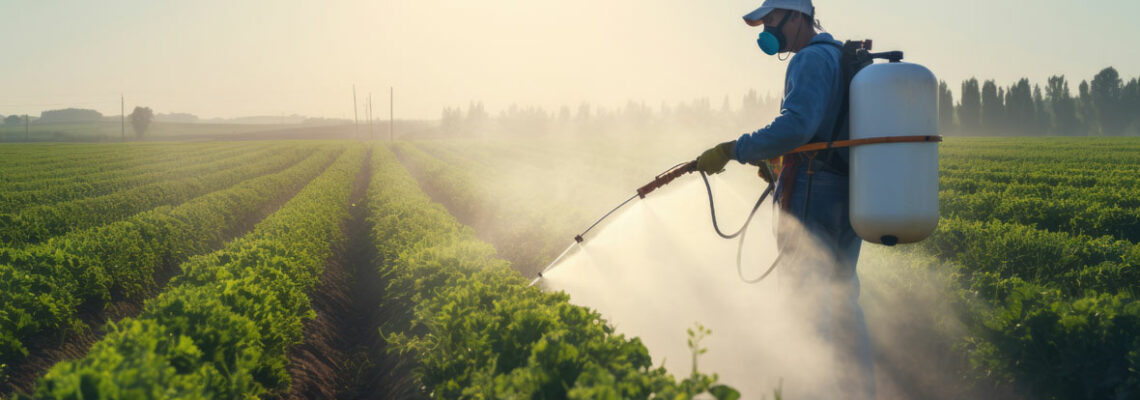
x,y
343,355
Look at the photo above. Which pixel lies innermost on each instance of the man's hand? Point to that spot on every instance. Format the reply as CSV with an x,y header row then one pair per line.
x,y
712,161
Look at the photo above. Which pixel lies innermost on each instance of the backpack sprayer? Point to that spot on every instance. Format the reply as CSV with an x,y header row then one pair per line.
x,y
893,166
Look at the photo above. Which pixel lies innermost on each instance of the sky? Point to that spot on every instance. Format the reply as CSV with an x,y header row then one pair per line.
x,y
217,58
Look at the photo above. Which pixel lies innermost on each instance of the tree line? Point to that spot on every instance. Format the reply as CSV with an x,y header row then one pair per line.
x,y
754,111
1105,106
140,118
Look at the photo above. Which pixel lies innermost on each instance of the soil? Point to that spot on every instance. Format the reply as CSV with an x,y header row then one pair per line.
x,y
343,355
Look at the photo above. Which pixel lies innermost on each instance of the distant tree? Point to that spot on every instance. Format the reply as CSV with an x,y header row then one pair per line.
x,y
524,120
970,108
945,108
13,120
1106,91
141,118
1087,111
1041,111
70,115
992,105
1064,107
1130,102
584,112
1001,119
451,121
564,114
1019,109
752,111
637,115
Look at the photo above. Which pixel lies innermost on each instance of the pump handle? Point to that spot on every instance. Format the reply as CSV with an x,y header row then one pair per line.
x,y
666,177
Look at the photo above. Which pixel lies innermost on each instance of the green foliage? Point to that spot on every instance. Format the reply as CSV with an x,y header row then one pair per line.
x,y
476,329
42,287
36,224
1057,346
1043,235
165,370
98,178
223,328
141,118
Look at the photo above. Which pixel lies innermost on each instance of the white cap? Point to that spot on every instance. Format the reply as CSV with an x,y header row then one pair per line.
x,y
755,18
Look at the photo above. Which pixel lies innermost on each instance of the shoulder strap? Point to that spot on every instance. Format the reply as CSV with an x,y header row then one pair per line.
x,y
853,56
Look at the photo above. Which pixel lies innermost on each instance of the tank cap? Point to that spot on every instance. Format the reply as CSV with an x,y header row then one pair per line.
x,y
889,240
892,56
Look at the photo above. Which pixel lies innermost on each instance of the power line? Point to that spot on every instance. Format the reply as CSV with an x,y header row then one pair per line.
x,y
391,113
355,118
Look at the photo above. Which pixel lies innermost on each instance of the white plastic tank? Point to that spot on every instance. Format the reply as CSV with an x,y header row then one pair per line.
x,y
894,186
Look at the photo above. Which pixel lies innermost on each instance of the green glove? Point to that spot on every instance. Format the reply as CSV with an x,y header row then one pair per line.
x,y
712,161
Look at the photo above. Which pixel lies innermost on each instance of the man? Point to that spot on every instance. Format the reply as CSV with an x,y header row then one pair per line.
x,y
820,247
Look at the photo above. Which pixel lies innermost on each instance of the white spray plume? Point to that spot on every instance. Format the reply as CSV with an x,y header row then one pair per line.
x,y
657,268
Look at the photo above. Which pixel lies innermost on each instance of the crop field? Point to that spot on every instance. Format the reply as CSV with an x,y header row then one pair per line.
x,y
322,269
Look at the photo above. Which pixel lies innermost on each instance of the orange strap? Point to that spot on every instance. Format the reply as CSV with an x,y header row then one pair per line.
x,y
859,142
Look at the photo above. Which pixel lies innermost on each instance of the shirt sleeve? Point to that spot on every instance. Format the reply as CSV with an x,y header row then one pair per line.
x,y
811,78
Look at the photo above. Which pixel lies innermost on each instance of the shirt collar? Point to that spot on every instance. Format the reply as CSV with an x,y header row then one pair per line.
x,y
823,38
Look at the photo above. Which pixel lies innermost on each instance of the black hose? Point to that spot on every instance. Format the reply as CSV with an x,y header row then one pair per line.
x,y
712,210
742,231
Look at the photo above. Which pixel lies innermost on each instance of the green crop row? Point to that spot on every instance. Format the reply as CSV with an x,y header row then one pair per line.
x,y
1051,344
170,159
81,186
47,153
1052,313
1109,196
1047,151
97,170
35,224
42,287
223,327
79,162
473,326
1080,178
1072,216
525,234
1073,264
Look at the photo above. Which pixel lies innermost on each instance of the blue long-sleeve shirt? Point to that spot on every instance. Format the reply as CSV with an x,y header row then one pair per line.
x,y
812,99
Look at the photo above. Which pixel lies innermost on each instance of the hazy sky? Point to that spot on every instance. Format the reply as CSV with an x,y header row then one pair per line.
x,y
233,58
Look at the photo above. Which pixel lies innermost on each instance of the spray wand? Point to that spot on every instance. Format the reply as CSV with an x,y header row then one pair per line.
x,y
665,178
660,180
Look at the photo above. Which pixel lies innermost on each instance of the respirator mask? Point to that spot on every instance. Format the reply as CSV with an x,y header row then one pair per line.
x,y
772,40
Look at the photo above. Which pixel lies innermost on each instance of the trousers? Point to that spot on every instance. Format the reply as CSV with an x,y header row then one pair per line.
x,y
820,252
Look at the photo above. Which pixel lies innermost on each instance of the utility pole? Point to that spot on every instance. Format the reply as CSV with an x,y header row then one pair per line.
x,y
355,119
122,117
391,113
371,134
27,131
